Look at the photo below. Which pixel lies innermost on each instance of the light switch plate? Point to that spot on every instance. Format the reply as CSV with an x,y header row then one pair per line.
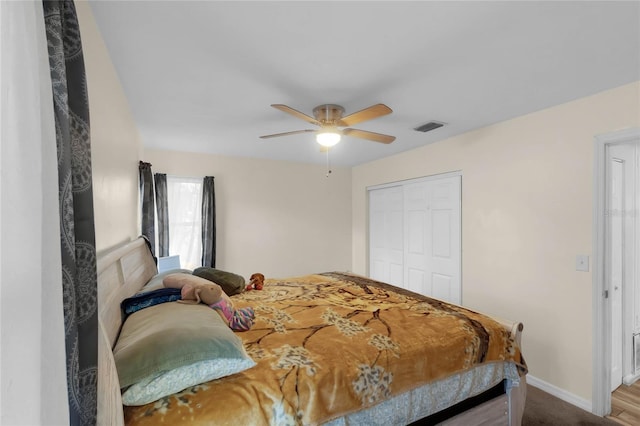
x,y
582,263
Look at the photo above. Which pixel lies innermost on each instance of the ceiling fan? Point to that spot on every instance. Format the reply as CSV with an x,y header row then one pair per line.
x,y
329,118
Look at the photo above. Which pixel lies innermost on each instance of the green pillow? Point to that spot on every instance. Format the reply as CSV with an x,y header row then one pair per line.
x,y
231,283
171,335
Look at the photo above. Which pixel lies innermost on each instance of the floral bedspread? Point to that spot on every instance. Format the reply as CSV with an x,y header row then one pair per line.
x,y
330,344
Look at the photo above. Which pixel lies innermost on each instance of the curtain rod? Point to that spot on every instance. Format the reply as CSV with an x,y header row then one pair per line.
x,y
182,176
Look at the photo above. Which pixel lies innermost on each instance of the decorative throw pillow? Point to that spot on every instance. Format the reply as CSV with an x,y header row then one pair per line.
x,y
156,340
151,298
231,283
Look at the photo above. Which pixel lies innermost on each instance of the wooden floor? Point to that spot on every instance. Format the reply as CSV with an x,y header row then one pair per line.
x,y
625,405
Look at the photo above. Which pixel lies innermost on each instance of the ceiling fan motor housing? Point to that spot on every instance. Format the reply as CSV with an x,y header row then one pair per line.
x,y
328,114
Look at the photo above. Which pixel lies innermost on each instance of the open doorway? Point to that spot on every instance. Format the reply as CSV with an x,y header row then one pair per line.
x,y
616,309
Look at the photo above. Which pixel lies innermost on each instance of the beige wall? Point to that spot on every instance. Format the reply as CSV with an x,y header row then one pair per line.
x,y
275,217
526,214
527,196
115,143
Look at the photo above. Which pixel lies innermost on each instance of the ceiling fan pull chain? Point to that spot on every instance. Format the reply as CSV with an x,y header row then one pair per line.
x,y
328,168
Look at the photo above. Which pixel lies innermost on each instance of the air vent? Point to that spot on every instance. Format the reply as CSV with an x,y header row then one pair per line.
x,y
432,125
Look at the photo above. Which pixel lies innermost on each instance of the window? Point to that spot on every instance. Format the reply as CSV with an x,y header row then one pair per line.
x,y
184,197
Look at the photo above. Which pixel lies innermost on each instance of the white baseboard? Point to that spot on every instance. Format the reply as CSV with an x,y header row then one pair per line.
x,y
560,393
630,379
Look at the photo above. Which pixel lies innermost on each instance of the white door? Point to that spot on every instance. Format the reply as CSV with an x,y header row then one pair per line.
x,y
615,261
607,146
386,236
621,258
445,242
417,266
419,249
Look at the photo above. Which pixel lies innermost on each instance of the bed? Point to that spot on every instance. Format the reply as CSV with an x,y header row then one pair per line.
x,y
331,348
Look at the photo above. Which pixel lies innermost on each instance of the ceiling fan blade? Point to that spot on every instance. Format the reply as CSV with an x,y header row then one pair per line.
x,y
372,136
295,132
296,114
370,113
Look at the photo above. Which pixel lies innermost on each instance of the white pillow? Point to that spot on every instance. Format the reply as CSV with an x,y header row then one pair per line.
x,y
173,381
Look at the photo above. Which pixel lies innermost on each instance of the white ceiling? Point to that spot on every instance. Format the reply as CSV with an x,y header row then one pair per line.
x,y
200,76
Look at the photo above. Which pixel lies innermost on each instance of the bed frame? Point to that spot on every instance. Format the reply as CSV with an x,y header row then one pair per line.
x,y
123,271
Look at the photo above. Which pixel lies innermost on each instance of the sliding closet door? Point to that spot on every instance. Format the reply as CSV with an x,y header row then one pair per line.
x,y
445,249
414,231
417,266
386,240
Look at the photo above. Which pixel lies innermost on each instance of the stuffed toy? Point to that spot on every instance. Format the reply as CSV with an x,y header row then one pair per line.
x,y
196,290
255,282
237,319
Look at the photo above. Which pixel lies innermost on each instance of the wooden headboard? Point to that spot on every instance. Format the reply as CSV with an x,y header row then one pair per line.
x,y
121,273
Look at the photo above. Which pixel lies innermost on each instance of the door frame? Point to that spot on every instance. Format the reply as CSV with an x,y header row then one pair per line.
x,y
601,317
414,180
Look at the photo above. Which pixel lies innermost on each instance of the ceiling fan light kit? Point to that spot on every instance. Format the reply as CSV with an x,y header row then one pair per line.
x,y
328,137
329,118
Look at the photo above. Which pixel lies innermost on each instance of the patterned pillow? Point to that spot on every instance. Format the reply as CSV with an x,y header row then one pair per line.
x,y
162,338
151,298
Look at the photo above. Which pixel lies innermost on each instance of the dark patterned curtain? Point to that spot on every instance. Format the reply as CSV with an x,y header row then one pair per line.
x,y
75,191
148,204
208,223
162,210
